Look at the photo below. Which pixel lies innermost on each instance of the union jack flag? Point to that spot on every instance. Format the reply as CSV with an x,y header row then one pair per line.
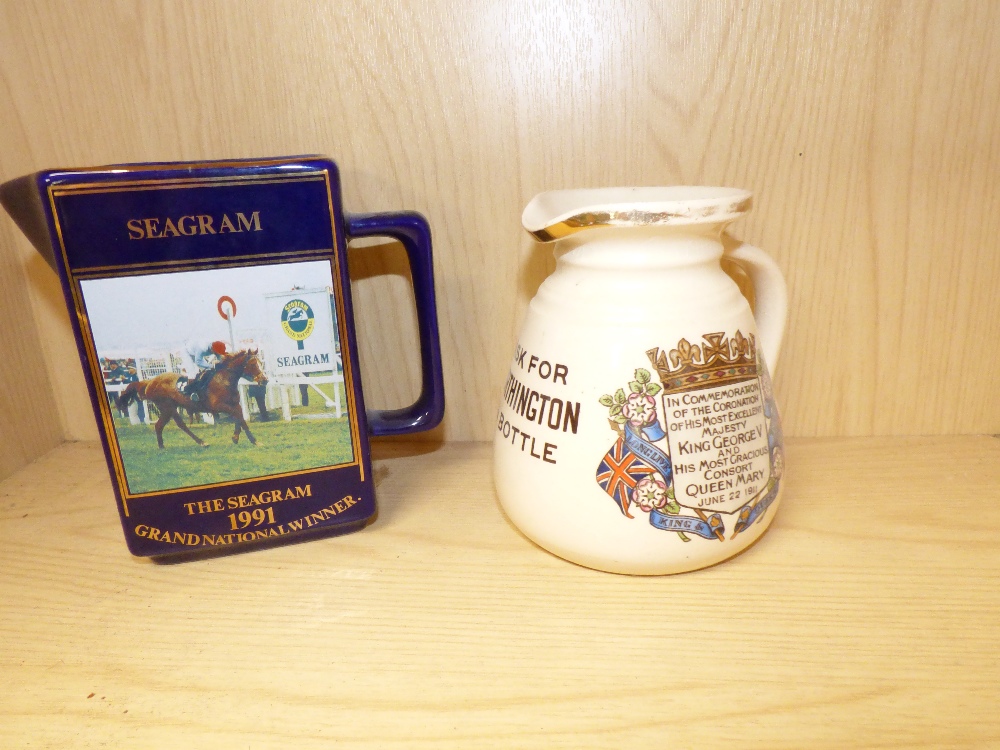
x,y
619,472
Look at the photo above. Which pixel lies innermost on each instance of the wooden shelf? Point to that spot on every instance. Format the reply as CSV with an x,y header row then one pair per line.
x,y
867,615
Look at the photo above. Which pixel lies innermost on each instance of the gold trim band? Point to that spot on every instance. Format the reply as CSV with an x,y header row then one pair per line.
x,y
638,218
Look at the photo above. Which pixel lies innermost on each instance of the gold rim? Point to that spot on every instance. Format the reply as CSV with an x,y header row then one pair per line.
x,y
637,218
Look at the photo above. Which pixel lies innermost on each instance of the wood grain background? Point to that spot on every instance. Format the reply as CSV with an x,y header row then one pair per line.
x,y
851,624
869,132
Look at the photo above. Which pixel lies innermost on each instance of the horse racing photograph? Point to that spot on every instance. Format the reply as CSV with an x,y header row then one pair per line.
x,y
220,375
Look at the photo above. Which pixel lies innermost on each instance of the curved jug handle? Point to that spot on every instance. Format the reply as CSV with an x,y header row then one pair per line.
x,y
771,297
412,230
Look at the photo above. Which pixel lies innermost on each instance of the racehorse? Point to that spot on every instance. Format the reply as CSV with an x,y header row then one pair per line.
x,y
221,395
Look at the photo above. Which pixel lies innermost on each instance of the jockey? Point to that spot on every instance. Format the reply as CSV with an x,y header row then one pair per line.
x,y
203,358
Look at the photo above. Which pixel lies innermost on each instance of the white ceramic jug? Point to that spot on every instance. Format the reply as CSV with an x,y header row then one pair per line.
x,y
637,430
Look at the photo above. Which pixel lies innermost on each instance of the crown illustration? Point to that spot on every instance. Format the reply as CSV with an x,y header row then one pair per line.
x,y
718,360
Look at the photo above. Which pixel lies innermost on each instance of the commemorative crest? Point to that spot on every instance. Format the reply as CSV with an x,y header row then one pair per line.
x,y
700,451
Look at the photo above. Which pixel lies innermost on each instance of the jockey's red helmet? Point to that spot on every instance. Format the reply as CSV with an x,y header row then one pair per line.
x,y
219,347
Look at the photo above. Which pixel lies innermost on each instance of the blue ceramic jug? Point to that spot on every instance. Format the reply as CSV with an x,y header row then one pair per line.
x,y
206,292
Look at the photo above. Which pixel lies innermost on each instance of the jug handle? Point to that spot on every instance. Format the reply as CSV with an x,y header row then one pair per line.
x,y
413,231
770,294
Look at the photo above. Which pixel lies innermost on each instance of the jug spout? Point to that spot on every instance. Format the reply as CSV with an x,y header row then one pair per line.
x,y
23,201
557,214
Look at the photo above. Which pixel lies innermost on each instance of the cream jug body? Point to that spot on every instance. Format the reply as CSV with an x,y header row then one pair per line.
x,y
637,430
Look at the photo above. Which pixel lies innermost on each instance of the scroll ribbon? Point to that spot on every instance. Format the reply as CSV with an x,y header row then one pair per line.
x,y
688,524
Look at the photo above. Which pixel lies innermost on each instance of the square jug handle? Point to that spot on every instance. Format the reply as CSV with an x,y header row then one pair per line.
x,y
413,231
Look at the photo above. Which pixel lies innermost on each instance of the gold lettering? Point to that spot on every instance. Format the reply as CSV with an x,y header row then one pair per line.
x,y
169,230
154,534
205,506
253,225
180,537
339,505
152,226
142,530
187,229
191,224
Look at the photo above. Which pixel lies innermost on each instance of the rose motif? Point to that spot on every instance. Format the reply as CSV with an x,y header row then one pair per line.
x,y
650,493
640,409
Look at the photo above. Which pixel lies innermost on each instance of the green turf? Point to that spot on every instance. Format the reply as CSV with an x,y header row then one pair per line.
x,y
281,447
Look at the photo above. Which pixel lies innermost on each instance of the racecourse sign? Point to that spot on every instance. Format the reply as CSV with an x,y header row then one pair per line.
x,y
301,333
